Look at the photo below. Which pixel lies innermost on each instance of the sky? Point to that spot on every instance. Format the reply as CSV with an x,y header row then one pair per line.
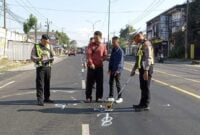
x,y
75,17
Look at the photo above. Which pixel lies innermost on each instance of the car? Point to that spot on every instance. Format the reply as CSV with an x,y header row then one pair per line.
x,y
72,53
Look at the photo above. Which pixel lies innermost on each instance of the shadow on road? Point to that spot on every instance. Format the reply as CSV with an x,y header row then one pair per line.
x,y
77,110
33,102
57,88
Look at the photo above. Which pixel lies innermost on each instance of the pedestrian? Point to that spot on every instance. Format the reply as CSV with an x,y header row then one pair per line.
x,y
43,56
116,64
144,63
96,55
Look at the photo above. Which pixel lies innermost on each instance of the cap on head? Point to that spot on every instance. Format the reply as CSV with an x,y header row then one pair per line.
x,y
45,37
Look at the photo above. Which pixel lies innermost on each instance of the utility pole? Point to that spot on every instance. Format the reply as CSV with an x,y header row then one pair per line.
x,y
4,9
48,25
109,5
5,41
186,29
36,33
93,24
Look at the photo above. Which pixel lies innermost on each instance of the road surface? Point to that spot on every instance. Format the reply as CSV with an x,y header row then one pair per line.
x,y
175,104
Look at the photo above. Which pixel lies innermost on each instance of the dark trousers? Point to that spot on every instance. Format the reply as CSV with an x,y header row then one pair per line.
x,y
145,86
115,78
43,76
94,75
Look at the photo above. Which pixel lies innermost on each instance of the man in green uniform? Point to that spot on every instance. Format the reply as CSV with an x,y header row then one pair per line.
x,y
42,55
144,63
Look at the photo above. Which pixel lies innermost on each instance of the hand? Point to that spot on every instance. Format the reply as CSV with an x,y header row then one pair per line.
x,y
92,66
132,73
146,76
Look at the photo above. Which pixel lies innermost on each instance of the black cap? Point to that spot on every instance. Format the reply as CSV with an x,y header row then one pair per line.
x,y
45,37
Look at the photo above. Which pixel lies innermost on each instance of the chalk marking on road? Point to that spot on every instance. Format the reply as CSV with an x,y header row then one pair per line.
x,y
73,98
85,129
70,92
7,84
173,87
106,120
83,84
62,106
162,72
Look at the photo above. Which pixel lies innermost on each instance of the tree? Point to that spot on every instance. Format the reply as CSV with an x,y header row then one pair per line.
x,y
62,38
29,24
178,49
73,44
194,9
126,34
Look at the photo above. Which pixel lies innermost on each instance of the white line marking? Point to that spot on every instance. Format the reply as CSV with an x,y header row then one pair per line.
x,y
7,84
83,84
17,94
173,87
85,129
82,70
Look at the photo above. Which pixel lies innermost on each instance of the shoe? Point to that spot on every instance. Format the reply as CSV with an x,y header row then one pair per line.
x,y
111,99
99,100
119,100
48,101
40,103
88,100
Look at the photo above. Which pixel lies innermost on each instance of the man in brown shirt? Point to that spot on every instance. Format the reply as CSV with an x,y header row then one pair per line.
x,y
96,55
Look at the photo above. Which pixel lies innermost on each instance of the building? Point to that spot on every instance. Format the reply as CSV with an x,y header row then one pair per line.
x,y
5,36
161,27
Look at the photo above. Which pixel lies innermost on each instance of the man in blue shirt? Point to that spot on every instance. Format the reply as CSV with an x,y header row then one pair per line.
x,y
116,64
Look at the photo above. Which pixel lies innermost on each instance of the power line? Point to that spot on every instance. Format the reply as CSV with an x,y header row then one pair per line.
x,y
86,11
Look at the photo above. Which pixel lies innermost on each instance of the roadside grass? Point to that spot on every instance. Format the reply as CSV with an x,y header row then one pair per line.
x,y
6,64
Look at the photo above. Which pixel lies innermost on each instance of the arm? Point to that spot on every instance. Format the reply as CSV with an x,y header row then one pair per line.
x,y
120,61
34,58
105,53
148,55
89,57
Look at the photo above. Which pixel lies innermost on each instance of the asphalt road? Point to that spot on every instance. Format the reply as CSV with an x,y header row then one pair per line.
x,y
175,104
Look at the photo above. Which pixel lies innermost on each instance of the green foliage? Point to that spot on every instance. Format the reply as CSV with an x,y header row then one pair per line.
x,y
178,49
125,33
194,14
29,24
26,28
62,38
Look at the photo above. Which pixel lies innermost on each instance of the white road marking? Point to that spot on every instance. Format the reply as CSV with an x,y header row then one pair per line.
x,y
173,87
7,84
83,84
17,94
162,72
85,129
82,70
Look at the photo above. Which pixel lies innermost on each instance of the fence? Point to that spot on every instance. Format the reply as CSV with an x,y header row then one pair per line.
x,y
17,50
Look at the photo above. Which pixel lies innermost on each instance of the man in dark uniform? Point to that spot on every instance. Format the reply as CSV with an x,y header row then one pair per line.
x,y
42,55
144,63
